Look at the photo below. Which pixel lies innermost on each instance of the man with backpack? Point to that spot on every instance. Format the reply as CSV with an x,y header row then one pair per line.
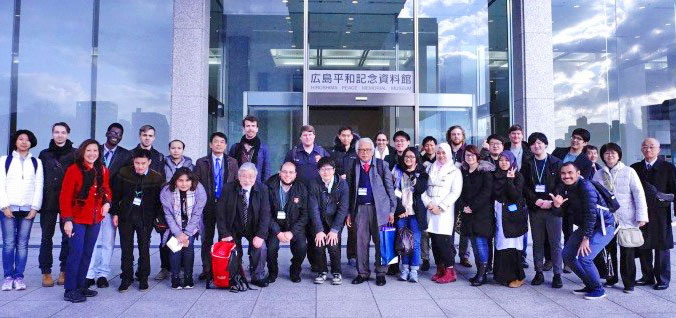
x,y
589,210
372,204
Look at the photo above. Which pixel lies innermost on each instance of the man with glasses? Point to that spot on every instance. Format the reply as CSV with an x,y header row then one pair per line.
x,y
289,207
114,157
372,204
657,177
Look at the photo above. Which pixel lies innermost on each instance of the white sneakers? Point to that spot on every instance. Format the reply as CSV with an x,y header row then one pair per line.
x,y
10,283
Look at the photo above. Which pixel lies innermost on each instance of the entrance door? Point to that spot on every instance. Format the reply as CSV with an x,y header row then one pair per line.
x,y
366,121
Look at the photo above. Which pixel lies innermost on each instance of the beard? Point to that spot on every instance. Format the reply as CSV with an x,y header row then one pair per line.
x,y
285,183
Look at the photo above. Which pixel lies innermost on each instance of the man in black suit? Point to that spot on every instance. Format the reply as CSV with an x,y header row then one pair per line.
x,y
289,217
114,157
244,212
575,154
657,177
214,171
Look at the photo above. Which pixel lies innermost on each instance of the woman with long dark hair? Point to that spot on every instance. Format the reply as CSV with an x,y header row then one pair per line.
x,y
85,201
183,199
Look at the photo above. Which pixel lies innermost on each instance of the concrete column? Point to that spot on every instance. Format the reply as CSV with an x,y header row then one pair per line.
x,y
190,77
533,62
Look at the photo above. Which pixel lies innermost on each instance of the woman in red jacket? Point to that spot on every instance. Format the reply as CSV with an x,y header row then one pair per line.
x,y
85,200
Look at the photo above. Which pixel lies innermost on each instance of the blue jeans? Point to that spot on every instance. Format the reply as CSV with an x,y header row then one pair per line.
x,y
186,256
80,247
583,266
103,250
412,223
480,247
15,234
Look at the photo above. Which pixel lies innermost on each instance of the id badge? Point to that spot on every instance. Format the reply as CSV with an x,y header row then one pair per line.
x,y
362,191
137,201
540,188
281,215
512,207
397,193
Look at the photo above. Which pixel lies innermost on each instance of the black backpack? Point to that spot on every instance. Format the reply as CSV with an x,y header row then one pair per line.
x,y
238,282
608,198
8,162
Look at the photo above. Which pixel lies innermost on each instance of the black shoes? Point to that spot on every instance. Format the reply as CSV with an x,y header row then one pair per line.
x,y
187,282
465,262
425,265
272,279
295,278
660,286
143,284
260,282
645,282
610,282
124,286
538,279
102,282
393,270
74,296
88,292
567,270
556,281
89,282
547,266
359,279
481,276
380,280
176,283
203,276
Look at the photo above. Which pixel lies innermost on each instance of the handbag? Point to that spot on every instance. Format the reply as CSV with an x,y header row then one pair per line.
x,y
458,224
387,251
631,237
404,243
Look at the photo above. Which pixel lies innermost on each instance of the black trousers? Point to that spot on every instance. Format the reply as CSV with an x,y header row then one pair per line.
x,y
298,251
628,266
127,231
567,228
334,255
600,262
352,241
442,249
47,224
310,248
165,255
209,219
658,268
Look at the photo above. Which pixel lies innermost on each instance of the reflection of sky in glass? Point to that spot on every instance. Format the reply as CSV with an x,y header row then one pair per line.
x,y
6,15
134,66
610,63
54,65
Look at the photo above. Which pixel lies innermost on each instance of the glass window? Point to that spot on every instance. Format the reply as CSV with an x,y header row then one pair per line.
x,y
613,73
134,69
55,58
6,22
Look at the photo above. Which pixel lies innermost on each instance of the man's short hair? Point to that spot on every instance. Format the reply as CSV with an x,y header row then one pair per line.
x,y
497,137
570,163
307,128
247,166
344,128
175,140
250,118
428,139
515,127
401,133
62,124
142,153
537,136
218,134
326,161
145,128
583,133
115,125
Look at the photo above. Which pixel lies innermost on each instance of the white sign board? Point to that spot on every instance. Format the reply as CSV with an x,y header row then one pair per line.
x,y
337,81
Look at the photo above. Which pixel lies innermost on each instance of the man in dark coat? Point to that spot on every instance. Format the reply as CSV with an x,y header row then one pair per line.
x,y
55,161
402,141
657,177
136,206
114,157
214,171
289,216
343,151
251,149
244,212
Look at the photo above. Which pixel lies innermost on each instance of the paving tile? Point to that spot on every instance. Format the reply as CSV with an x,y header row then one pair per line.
x,y
418,308
158,308
276,308
92,309
32,308
351,308
399,290
207,308
346,291
471,306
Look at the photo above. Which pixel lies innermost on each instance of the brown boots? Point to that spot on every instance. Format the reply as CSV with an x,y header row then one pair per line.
x,y
47,280
62,279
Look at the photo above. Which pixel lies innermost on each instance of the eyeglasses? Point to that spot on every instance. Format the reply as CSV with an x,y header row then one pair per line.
x,y
577,138
409,157
364,150
649,147
326,169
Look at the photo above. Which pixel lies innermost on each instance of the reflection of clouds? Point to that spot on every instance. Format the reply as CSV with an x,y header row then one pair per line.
x,y
591,77
458,32
600,25
59,90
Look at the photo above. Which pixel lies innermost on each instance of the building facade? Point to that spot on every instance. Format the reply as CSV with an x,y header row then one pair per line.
x,y
191,67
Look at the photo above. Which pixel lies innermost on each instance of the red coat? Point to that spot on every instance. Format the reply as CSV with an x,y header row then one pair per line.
x,y
90,211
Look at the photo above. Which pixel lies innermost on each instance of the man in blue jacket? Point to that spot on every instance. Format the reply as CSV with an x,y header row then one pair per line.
x,y
579,198
251,149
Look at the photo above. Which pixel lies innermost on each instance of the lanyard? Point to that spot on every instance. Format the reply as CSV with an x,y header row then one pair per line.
x,y
537,172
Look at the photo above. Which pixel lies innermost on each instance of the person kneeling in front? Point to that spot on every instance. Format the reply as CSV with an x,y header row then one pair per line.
x,y
596,227
244,212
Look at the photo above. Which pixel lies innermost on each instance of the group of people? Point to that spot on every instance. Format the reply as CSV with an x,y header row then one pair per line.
x,y
488,196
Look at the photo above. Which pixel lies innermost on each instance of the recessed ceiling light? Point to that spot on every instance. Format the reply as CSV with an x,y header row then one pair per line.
x,y
290,31
576,6
641,7
667,24
350,19
344,46
288,18
355,1
293,45
347,32
636,37
285,1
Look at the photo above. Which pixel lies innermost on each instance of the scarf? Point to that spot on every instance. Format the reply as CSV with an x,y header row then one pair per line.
x,y
189,202
60,151
609,175
255,144
88,177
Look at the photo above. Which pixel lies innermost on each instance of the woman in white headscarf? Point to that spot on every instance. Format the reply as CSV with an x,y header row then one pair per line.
x,y
444,188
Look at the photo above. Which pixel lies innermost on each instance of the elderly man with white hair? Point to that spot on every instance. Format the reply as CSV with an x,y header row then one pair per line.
x,y
372,204
244,212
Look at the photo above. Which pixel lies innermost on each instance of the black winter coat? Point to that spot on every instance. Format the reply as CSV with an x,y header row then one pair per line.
x,y
657,233
228,207
124,191
582,162
329,210
510,191
55,162
204,169
296,208
421,179
550,178
157,162
343,157
477,191
582,206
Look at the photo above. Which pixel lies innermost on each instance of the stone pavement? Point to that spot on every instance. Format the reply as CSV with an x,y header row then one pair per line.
x,y
286,299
